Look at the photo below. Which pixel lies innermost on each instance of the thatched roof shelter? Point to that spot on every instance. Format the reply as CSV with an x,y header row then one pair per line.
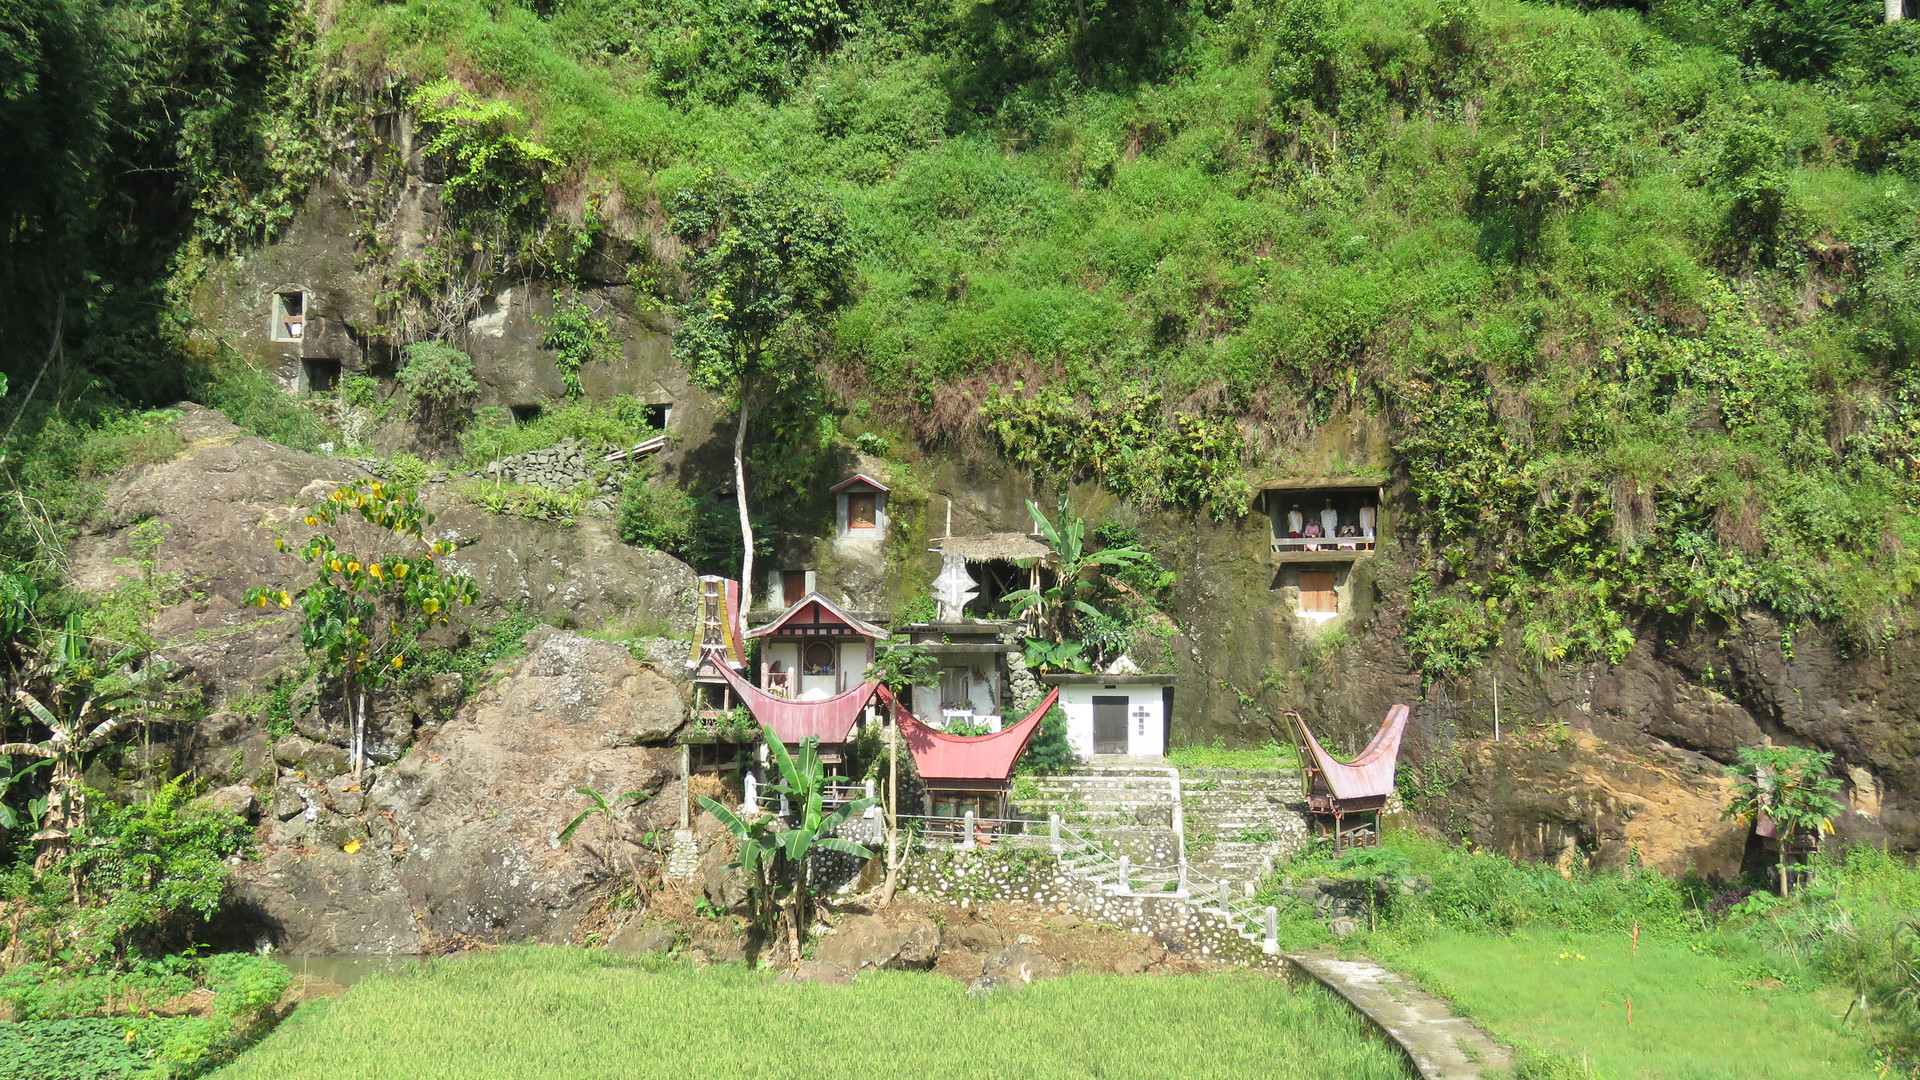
x,y
988,547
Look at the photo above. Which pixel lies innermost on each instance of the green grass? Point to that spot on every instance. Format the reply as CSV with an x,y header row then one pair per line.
x,y
1270,756
1695,1015
559,1014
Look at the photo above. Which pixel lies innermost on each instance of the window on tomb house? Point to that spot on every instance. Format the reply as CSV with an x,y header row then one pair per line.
x,y
953,688
289,315
819,658
793,586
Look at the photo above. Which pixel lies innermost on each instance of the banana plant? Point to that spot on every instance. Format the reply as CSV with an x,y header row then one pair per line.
x,y
1075,569
600,806
778,855
83,703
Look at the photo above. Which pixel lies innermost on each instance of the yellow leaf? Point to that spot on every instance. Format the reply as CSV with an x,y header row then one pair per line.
x,y
279,545
397,661
353,568
400,570
352,847
334,565
376,570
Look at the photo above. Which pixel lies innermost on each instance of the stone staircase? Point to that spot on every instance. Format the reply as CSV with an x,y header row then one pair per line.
x,y
1240,822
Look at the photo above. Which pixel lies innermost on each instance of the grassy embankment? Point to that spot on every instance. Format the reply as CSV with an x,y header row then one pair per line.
x,y
567,1014
1725,982
1695,1014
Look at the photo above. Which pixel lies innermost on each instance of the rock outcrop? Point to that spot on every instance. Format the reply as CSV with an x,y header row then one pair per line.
x,y
220,504
869,942
460,837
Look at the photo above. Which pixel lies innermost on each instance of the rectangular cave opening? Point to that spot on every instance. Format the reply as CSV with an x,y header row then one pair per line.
x,y
323,374
658,416
524,414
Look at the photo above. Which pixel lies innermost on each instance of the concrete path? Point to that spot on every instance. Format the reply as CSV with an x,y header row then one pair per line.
x,y
1441,1046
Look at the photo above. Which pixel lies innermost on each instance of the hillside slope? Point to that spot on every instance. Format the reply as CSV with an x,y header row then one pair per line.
x,y
1618,305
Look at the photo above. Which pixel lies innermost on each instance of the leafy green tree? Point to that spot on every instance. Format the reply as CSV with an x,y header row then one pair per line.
x,y
1791,785
1076,573
768,267
364,612
81,702
777,855
144,866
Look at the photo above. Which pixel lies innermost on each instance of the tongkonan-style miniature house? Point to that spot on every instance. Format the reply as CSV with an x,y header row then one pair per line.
x,y
814,650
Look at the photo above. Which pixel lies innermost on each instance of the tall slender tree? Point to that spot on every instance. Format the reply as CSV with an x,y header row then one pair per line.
x,y
768,267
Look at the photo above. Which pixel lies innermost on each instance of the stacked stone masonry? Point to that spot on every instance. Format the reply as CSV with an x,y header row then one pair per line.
x,y
563,466
1239,823
1034,876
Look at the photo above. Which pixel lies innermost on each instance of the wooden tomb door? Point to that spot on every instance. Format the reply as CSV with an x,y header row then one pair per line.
x,y
1317,592
861,510
793,586
1109,725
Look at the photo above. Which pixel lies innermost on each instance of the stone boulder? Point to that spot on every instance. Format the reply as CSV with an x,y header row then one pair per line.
x,y
641,938
818,972
868,942
1019,965
223,500
460,837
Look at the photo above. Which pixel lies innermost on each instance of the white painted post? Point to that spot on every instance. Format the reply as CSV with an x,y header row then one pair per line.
x,y
1183,877
966,833
753,795
1895,9
1125,883
784,807
1226,899
1053,834
869,787
1271,943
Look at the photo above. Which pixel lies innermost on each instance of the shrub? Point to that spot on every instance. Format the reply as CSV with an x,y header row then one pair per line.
x,y
577,337
700,530
439,379
1049,753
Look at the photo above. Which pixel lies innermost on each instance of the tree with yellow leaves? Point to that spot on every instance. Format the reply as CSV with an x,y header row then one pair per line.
x,y
365,611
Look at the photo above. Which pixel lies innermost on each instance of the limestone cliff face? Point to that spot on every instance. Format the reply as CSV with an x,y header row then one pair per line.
x,y
1685,699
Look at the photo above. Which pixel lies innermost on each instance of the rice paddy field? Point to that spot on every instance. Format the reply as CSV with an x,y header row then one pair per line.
x,y
1696,1016
570,1014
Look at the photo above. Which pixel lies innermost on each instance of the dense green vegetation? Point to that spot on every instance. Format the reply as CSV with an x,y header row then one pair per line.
x,y
453,1019
1727,980
1633,289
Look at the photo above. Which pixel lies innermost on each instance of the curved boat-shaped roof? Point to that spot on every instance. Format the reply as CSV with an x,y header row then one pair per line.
x,y
940,756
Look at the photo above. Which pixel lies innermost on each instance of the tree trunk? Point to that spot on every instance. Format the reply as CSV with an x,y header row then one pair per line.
x,y
893,815
1896,10
740,499
357,719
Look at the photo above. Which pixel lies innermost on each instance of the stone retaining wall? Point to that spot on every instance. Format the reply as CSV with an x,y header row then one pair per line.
x,y
563,467
1034,876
